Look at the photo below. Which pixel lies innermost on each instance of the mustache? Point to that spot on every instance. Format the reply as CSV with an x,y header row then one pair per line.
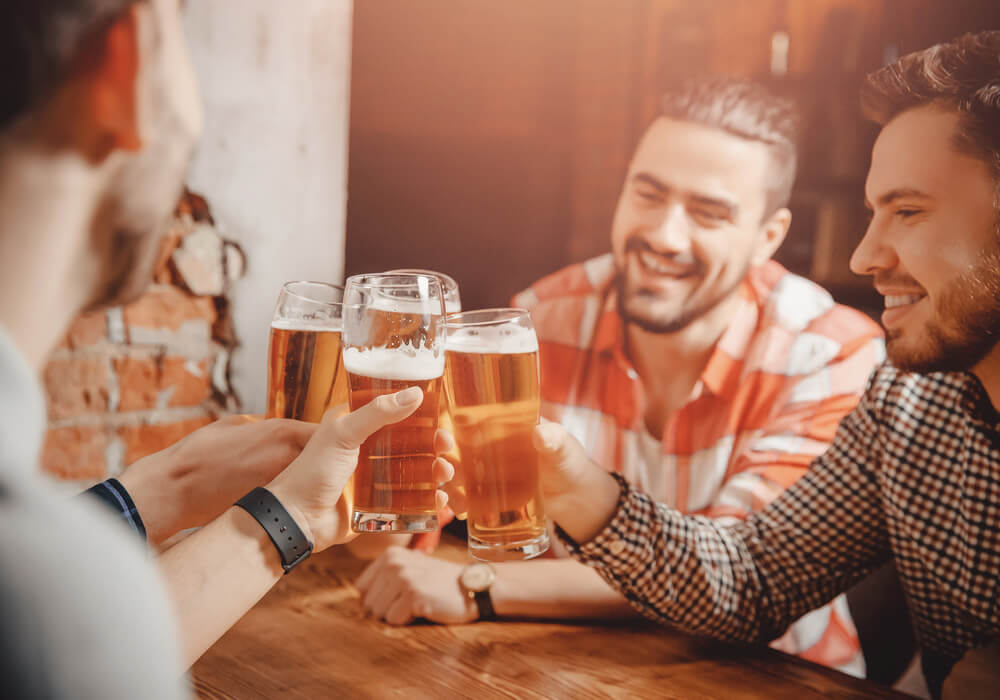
x,y
882,279
639,245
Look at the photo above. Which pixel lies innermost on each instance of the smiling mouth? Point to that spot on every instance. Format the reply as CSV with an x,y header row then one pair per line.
x,y
659,265
896,300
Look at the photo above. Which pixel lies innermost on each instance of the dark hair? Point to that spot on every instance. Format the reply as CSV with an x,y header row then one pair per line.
x,y
963,75
39,43
748,110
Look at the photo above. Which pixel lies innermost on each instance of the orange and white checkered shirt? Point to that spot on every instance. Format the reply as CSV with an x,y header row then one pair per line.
x,y
790,365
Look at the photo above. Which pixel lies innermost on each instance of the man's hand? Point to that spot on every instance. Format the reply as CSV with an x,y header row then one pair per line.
x,y
196,479
403,584
311,487
579,495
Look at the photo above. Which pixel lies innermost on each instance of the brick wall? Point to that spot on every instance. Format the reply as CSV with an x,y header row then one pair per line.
x,y
134,379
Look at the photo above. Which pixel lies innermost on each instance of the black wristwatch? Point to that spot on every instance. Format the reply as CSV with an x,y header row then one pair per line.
x,y
292,544
475,581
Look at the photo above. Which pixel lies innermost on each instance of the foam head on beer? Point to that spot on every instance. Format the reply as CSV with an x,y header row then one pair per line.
x,y
504,340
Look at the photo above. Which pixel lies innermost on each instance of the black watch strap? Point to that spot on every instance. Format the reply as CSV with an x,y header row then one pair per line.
x,y
485,604
291,542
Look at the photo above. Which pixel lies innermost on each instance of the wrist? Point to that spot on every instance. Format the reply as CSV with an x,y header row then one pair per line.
x,y
155,496
586,510
297,514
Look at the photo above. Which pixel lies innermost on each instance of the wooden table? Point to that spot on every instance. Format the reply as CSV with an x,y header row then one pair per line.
x,y
310,639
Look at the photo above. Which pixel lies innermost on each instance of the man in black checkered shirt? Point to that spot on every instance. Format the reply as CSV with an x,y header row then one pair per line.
x,y
913,474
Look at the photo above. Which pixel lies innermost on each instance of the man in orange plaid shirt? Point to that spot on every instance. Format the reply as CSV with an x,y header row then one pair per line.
x,y
686,359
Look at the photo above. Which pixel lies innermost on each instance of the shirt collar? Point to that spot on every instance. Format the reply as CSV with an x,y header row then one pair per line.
x,y
22,410
976,402
721,373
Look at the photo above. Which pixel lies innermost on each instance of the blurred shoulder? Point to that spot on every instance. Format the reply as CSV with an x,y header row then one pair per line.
x,y
86,612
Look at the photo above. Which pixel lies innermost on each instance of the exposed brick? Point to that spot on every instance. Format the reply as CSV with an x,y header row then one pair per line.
x,y
76,385
142,440
168,308
75,453
149,381
88,329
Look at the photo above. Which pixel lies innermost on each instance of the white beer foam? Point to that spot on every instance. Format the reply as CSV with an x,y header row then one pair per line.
x,y
334,325
401,364
502,340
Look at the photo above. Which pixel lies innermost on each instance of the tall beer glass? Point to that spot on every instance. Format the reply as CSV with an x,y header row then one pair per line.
x,y
393,339
493,397
305,374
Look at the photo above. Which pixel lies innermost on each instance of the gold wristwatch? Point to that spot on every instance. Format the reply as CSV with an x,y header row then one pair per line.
x,y
475,581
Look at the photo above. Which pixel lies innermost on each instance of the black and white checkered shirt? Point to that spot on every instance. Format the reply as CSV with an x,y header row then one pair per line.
x,y
913,473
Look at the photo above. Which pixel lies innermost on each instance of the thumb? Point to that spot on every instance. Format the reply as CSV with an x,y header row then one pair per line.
x,y
558,451
348,432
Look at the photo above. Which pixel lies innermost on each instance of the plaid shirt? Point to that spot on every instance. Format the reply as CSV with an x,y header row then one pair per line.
x,y
788,368
913,473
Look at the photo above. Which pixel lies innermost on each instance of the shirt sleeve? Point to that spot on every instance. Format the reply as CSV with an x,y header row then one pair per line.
x,y
112,494
748,581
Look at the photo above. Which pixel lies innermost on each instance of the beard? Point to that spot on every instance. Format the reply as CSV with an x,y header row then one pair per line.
x,y
652,312
965,327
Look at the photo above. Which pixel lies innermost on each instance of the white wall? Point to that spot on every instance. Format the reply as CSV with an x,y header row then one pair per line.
x,y
273,159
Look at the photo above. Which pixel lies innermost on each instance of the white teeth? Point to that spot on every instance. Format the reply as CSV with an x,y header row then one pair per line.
x,y
902,300
653,262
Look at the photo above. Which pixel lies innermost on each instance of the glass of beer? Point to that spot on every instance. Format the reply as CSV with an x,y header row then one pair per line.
x,y
394,338
305,375
493,397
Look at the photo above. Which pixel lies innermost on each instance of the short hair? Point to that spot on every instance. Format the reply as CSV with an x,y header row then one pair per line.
x,y
750,111
962,75
39,42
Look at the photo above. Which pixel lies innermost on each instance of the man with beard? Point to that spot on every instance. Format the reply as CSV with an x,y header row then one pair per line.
x,y
913,473
98,116
686,360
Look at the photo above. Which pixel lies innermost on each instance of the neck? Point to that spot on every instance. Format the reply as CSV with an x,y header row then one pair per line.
x,y
988,372
47,205
671,363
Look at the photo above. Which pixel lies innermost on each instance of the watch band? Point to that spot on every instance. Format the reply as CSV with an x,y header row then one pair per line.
x,y
287,536
485,604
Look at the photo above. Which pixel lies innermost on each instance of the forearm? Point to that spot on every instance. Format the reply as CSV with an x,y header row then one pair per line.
x,y
216,575
555,589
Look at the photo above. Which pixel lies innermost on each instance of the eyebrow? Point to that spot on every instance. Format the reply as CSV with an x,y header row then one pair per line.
x,y
898,193
730,208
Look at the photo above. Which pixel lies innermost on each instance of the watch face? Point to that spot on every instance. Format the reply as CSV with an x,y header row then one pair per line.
x,y
477,577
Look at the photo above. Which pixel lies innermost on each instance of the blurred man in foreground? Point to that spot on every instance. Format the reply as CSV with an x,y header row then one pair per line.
x,y
686,360
98,117
913,474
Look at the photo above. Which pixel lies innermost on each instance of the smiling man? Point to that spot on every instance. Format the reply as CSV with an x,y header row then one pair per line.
x,y
686,360
913,474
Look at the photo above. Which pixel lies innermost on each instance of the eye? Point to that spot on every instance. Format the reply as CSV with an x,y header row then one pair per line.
x,y
907,213
648,195
709,217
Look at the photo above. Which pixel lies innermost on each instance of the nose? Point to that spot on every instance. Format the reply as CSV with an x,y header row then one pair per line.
x,y
672,234
873,252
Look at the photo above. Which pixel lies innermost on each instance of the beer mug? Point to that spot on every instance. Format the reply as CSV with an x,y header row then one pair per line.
x,y
305,375
449,287
393,339
492,389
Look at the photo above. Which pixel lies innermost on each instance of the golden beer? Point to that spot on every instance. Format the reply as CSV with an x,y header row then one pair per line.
x,y
493,397
305,374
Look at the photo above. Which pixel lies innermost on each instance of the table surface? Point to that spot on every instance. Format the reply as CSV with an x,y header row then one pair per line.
x,y
309,638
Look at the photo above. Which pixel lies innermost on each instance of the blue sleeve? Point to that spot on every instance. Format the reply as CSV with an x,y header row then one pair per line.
x,y
113,495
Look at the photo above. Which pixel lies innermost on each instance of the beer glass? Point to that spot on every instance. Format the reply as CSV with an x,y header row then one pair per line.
x,y
493,396
393,339
305,375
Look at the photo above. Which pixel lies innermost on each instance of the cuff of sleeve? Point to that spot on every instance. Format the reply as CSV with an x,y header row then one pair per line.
x,y
112,494
623,541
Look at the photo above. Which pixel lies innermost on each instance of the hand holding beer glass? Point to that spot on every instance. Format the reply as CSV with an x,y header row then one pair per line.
x,y
492,385
394,338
